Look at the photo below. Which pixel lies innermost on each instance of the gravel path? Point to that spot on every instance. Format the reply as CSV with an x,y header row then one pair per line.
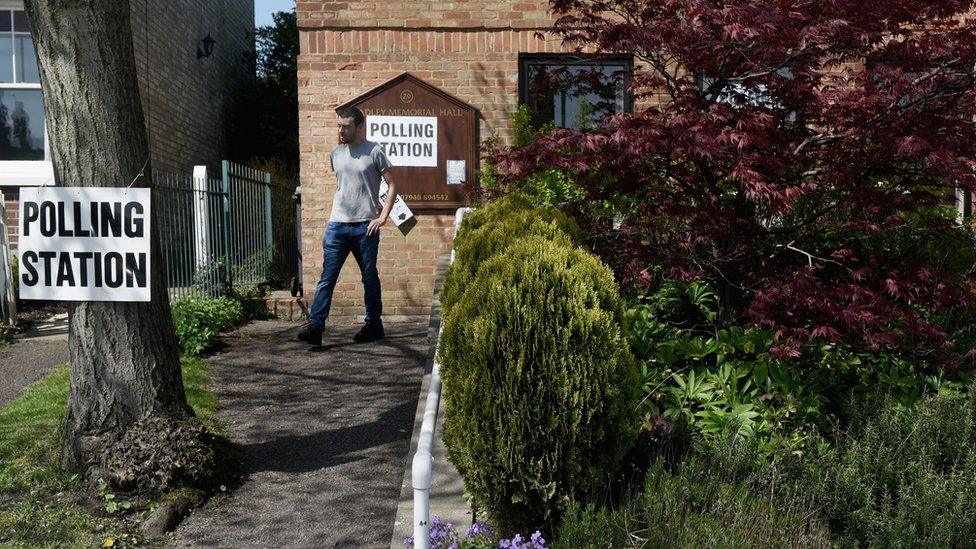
x,y
28,360
328,432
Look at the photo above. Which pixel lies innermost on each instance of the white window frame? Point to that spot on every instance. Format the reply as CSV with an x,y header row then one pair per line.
x,y
26,173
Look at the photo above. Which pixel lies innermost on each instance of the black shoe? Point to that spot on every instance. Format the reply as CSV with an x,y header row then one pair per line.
x,y
310,334
369,332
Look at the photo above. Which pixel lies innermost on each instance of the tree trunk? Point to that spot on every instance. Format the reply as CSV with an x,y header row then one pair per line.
x,y
125,367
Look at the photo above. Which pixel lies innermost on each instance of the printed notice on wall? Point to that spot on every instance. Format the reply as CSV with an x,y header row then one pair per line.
x,y
84,244
455,172
406,140
399,212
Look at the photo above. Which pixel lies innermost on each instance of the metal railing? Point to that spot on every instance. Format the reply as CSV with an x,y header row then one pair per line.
x,y
262,225
216,234
422,468
8,301
190,224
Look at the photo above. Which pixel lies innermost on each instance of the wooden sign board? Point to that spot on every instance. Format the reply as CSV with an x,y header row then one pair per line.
x,y
430,136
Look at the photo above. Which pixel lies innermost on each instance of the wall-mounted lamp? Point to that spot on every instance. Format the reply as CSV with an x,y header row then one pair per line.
x,y
206,46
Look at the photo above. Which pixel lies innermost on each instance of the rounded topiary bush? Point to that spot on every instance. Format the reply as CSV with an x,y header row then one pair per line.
x,y
539,387
478,245
494,211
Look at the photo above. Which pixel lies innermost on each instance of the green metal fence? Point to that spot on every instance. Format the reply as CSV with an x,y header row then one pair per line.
x,y
234,232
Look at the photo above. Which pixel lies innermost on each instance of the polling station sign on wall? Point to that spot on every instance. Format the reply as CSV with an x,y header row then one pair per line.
x,y
430,137
406,140
84,244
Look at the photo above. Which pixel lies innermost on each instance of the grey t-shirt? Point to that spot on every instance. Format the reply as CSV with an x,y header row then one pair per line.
x,y
358,171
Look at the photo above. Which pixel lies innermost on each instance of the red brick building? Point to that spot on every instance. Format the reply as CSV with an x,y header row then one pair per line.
x,y
485,53
187,99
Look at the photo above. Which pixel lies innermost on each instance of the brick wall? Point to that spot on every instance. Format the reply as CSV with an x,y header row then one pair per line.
x,y
423,14
470,49
187,101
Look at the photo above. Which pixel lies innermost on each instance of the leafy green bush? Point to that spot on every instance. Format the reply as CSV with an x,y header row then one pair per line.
x,y
551,188
722,381
719,382
699,505
902,477
539,387
199,320
896,476
474,247
546,189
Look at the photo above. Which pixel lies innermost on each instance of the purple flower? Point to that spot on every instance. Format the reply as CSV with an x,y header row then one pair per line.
x,y
480,529
440,535
518,542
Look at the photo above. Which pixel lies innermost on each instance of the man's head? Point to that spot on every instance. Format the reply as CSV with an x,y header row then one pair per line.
x,y
350,119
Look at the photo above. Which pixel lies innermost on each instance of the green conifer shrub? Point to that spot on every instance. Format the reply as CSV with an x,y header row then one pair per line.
x,y
476,246
494,211
539,385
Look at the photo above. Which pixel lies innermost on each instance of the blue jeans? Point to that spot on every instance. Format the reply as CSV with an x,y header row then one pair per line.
x,y
341,239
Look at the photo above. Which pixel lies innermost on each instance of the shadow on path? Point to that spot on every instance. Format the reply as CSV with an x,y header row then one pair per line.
x,y
327,432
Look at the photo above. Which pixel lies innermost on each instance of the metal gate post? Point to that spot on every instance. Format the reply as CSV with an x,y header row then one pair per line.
x,y
268,225
225,185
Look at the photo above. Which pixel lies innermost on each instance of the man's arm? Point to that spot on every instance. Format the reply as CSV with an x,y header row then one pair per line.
x,y
375,224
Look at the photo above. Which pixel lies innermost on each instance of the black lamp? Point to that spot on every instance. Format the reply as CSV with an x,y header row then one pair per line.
x,y
207,46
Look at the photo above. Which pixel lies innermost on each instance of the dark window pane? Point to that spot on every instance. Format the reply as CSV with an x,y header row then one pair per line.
x,y
5,21
575,96
20,21
26,60
21,125
6,58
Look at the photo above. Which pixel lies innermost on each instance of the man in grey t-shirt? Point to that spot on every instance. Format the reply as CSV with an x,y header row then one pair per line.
x,y
354,226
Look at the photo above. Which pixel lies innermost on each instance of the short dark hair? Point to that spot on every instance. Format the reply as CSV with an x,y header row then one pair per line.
x,y
354,113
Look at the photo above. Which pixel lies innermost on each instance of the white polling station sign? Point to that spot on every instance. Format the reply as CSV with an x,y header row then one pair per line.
x,y
84,243
406,140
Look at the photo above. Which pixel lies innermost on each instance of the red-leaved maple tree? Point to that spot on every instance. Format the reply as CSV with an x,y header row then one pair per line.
x,y
802,156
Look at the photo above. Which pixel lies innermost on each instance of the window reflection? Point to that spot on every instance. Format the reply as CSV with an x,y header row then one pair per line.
x,y
21,125
20,21
6,58
22,131
577,95
26,60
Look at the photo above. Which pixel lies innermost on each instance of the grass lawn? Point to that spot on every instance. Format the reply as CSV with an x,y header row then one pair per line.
x,y
39,505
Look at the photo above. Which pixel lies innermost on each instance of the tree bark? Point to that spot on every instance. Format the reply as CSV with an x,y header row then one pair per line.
x,y
125,366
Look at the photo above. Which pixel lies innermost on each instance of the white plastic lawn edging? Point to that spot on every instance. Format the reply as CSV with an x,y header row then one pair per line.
x,y
422,471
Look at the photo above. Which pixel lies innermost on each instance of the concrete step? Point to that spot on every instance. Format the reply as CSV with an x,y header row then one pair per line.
x,y
281,305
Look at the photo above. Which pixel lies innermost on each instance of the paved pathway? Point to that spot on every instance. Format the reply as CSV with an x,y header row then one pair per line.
x,y
32,356
328,431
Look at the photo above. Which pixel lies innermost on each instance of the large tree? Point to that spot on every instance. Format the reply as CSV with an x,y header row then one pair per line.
x,y
795,154
127,419
267,111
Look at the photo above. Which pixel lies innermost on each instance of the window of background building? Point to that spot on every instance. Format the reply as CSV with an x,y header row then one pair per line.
x,y
573,91
22,131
